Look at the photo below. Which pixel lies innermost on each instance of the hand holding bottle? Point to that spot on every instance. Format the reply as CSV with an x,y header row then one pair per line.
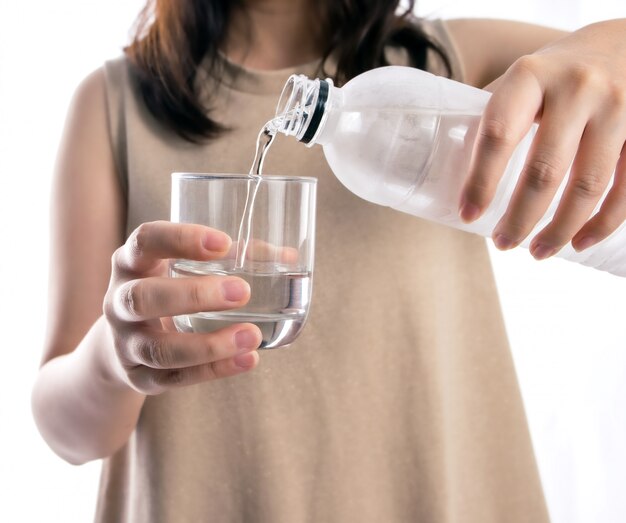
x,y
575,88
141,298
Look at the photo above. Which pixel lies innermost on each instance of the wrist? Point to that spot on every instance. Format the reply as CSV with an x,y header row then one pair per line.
x,y
102,360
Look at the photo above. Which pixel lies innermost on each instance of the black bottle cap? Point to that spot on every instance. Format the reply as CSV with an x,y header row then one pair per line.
x,y
322,97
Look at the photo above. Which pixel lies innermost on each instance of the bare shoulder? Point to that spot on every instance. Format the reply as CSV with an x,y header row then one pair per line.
x,y
85,132
487,47
85,161
88,104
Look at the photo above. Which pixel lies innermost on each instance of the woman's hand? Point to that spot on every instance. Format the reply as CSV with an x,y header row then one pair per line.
x,y
575,88
150,358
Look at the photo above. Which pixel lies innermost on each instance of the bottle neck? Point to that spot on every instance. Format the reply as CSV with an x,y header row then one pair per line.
x,y
302,108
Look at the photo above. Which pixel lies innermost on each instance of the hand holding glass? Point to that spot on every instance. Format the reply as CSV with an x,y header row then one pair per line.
x,y
274,254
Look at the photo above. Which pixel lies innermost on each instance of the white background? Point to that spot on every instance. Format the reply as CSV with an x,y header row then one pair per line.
x,y
565,322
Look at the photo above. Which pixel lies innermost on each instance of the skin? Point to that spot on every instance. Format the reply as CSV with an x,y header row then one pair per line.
x,y
575,88
110,341
273,34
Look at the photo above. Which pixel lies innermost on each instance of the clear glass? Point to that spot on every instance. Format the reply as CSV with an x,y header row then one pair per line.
x,y
277,260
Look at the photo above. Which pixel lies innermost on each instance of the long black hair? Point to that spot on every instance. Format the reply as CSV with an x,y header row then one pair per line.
x,y
172,37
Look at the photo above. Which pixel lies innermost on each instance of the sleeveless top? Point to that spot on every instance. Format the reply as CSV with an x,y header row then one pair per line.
x,y
397,403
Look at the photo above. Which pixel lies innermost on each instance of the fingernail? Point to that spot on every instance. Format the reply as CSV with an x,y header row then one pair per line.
x,y
469,212
502,242
235,290
585,243
541,251
246,340
247,360
217,241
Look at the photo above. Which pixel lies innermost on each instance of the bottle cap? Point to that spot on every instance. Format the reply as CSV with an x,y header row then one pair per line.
x,y
301,107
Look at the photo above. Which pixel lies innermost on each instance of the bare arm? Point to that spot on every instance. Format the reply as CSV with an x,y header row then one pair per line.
x,y
74,394
97,367
488,47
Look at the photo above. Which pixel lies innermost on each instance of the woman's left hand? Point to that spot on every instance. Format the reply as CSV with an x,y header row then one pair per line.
x,y
575,88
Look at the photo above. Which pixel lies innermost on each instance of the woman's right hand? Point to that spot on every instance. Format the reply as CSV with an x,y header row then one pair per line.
x,y
151,358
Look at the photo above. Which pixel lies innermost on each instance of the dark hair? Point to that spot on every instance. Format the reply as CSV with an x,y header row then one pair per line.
x,y
172,37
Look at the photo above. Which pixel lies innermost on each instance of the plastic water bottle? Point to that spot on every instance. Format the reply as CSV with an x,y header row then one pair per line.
x,y
401,137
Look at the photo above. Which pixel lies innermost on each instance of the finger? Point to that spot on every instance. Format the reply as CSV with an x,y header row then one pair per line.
x,y
611,215
155,297
591,172
167,324
152,242
507,118
550,155
491,87
151,381
175,350
259,250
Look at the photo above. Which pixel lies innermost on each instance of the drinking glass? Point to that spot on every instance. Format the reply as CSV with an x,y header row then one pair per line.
x,y
271,220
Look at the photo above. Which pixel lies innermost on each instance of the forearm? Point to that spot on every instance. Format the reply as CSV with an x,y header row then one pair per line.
x,y
487,48
82,409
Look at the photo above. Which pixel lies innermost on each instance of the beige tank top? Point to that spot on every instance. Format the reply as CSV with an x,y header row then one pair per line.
x,y
397,403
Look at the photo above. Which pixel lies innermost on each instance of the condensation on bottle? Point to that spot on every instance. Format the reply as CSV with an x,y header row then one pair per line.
x,y
402,137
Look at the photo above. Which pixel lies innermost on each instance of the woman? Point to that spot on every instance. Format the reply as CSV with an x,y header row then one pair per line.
x,y
398,402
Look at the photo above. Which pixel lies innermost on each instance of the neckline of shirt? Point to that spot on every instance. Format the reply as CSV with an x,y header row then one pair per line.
x,y
256,81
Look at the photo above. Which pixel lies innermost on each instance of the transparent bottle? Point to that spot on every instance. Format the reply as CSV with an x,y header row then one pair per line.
x,y
401,137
